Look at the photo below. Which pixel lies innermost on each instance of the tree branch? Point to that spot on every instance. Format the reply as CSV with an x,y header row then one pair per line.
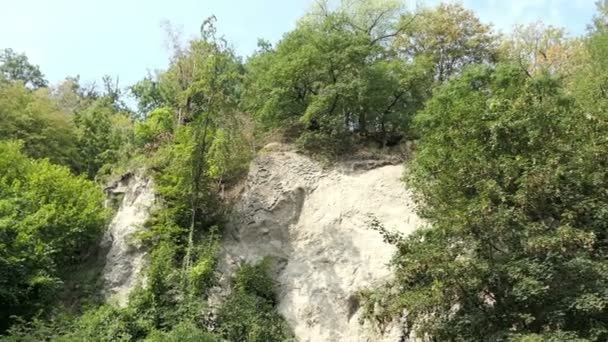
x,y
394,34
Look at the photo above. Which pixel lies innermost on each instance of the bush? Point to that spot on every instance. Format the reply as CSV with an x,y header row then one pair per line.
x,y
247,317
201,275
107,323
249,314
325,146
256,280
183,332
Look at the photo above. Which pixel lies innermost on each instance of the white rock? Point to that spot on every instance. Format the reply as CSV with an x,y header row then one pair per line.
x,y
317,222
125,260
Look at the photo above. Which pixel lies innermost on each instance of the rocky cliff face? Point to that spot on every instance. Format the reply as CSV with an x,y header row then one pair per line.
x,y
125,259
316,224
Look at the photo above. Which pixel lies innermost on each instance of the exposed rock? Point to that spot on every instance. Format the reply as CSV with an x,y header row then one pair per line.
x,y
317,223
125,259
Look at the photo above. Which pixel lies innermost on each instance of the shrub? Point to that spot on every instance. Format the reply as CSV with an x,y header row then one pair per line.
x,y
249,314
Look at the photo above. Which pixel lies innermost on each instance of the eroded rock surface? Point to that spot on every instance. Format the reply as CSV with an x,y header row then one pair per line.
x,y
317,224
125,259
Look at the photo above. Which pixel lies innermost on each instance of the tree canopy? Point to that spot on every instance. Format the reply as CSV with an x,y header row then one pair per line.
x,y
16,67
32,117
335,75
511,177
449,35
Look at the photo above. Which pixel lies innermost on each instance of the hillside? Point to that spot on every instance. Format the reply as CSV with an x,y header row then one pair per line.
x,y
379,173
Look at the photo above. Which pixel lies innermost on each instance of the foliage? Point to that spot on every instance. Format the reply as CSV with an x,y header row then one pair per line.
x,y
229,154
589,82
539,48
102,135
201,276
107,323
32,117
172,163
36,330
71,96
509,172
162,88
512,180
69,125
16,67
449,35
158,126
249,315
183,332
48,220
336,76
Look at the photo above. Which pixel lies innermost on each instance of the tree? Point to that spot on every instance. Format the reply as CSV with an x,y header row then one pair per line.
x,y
449,35
195,144
103,135
589,81
48,220
149,95
210,102
157,127
537,48
113,94
511,178
336,75
72,97
377,19
32,117
16,67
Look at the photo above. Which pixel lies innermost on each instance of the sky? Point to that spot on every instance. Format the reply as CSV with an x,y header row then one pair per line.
x,y
125,38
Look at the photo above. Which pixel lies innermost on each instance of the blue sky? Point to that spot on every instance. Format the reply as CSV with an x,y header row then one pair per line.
x,y
124,37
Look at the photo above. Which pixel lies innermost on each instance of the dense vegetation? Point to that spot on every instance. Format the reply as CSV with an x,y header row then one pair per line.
x,y
509,170
49,219
511,174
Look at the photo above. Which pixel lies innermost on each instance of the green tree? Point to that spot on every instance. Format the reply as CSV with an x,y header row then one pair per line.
x,y
71,96
336,75
539,48
158,126
103,136
451,36
149,95
32,117
589,81
210,102
16,67
192,152
511,178
48,219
